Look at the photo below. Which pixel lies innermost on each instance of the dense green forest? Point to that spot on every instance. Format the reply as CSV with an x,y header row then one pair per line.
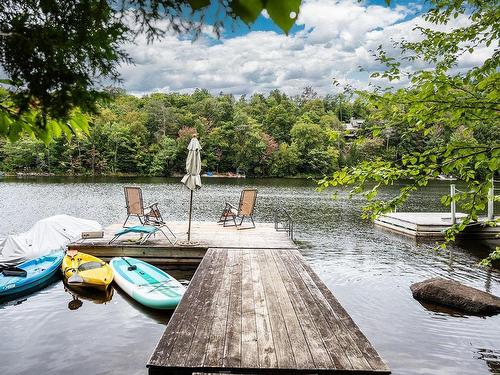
x,y
273,135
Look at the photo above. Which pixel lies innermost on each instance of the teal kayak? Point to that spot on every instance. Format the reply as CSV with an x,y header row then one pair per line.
x,y
147,284
38,272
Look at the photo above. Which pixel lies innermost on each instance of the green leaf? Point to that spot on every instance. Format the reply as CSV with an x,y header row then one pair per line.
x,y
65,127
281,12
371,194
493,165
45,136
247,10
5,122
198,4
15,131
446,200
79,123
54,128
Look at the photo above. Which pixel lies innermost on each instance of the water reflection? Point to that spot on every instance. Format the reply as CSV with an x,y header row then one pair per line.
x,y
75,303
160,316
491,357
81,293
18,298
441,312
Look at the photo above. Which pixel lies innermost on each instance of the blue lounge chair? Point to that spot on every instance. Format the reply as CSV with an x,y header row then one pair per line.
x,y
146,232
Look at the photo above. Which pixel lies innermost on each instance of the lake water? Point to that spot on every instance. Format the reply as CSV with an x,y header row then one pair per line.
x,y
368,269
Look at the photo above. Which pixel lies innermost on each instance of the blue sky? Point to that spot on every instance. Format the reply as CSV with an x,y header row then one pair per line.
x,y
331,40
265,24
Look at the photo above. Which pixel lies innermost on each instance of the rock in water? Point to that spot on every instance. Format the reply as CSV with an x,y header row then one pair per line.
x,y
452,294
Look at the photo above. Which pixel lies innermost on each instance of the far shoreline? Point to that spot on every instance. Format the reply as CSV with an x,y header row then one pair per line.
x,y
137,175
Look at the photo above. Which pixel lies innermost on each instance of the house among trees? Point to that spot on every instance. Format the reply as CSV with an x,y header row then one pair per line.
x,y
353,126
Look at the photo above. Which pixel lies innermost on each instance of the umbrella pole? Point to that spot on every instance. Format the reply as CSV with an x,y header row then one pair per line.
x,y
190,211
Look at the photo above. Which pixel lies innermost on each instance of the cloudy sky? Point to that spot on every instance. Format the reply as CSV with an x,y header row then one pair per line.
x,y
331,39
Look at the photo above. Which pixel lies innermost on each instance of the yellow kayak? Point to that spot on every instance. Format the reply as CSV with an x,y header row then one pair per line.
x,y
80,269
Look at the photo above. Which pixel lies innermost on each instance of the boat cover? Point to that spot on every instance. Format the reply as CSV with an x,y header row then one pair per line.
x,y
47,235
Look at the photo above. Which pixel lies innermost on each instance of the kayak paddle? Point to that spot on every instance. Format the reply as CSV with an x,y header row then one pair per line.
x,y
131,267
75,278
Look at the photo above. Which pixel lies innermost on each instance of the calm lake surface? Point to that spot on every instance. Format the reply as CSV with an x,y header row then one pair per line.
x,y
368,269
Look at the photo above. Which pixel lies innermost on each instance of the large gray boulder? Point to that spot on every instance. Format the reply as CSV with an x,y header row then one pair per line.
x,y
452,294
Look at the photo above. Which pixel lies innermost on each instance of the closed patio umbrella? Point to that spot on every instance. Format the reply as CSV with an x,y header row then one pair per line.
x,y
192,179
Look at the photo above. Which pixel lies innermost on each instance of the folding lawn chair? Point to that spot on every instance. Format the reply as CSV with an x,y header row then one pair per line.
x,y
149,215
244,210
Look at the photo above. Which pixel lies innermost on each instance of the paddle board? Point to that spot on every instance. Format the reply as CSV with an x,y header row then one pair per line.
x,y
146,283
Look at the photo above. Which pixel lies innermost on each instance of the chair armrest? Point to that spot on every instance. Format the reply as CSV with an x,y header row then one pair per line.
x,y
153,205
153,215
230,205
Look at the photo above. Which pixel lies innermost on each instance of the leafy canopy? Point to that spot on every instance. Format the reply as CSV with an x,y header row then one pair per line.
x,y
59,55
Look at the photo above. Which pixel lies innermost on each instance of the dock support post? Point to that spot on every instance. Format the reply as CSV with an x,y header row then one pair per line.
x,y
453,204
491,197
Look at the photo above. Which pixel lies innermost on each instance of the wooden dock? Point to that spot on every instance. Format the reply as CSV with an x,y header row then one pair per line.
x,y
432,225
160,251
254,305
261,311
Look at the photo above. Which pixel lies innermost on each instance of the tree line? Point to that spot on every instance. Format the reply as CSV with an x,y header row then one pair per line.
x,y
273,135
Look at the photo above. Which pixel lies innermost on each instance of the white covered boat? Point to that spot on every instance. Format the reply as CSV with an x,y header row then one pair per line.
x,y
46,236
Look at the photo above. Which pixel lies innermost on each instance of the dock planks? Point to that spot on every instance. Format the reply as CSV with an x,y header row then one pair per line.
x,y
261,310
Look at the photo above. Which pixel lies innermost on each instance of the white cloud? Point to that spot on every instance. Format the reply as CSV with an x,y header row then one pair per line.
x,y
336,39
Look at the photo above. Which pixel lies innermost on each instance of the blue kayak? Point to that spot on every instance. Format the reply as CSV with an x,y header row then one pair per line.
x,y
38,270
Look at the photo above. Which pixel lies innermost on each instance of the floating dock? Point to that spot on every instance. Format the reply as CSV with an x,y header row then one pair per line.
x,y
433,225
253,305
261,311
